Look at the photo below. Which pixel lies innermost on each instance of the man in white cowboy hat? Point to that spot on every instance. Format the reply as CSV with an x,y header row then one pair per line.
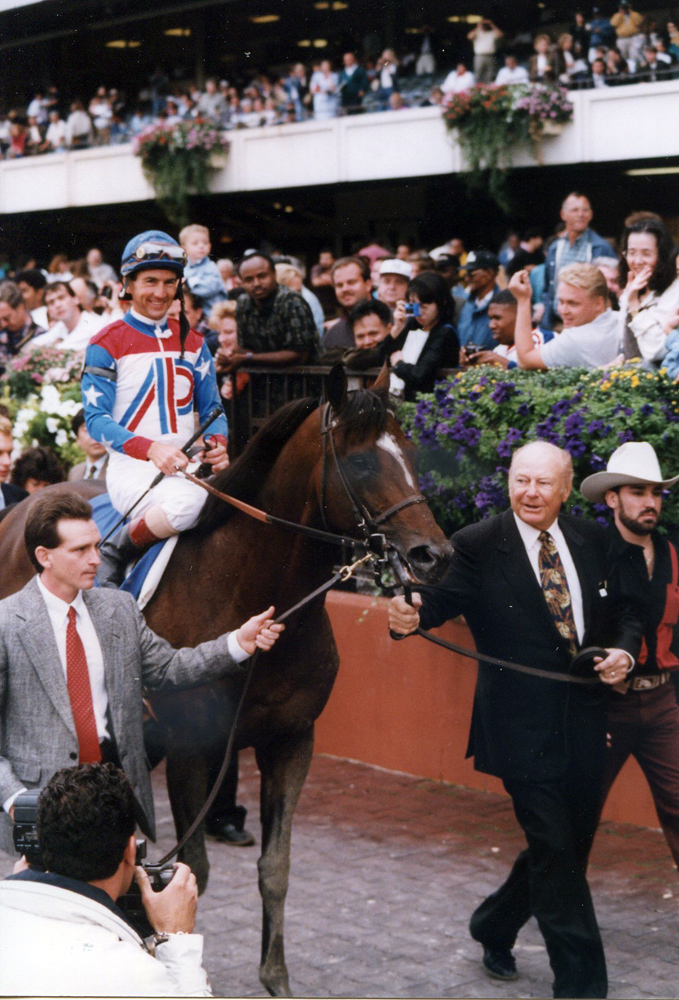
x,y
643,716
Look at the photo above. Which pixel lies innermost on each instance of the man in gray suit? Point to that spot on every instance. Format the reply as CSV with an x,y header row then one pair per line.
x,y
74,660
96,456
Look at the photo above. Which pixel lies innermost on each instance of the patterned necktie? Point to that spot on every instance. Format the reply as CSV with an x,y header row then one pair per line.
x,y
555,589
80,693
92,473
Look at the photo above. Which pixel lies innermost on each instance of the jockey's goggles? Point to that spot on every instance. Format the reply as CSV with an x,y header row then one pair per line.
x,y
155,253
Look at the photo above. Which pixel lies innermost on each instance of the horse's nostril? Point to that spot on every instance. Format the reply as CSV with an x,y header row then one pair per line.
x,y
422,556
429,559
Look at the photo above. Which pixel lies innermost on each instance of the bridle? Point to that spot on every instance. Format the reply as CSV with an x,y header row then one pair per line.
x,y
366,522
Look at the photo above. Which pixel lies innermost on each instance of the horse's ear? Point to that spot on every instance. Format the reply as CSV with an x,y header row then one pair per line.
x,y
381,385
336,387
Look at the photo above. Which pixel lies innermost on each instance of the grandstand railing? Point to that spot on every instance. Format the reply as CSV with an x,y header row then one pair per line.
x,y
268,389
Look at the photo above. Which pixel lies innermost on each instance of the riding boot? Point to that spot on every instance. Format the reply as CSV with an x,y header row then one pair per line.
x,y
119,551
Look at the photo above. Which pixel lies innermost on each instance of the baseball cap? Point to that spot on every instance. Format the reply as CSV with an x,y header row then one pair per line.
x,y
396,266
480,260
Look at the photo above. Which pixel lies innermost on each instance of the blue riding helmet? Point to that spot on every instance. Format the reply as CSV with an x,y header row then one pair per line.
x,y
152,249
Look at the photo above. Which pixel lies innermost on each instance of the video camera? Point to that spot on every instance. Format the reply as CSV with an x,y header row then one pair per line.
x,y
26,842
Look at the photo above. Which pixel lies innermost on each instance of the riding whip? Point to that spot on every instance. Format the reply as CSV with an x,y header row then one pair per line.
x,y
210,419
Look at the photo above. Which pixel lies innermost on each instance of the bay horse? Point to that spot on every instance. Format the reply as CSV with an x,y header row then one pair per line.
x,y
230,566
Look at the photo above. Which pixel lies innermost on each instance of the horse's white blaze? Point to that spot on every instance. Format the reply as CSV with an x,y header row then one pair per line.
x,y
388,443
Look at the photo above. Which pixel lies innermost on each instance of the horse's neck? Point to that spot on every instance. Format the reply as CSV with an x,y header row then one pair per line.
x,y
289,490
215,581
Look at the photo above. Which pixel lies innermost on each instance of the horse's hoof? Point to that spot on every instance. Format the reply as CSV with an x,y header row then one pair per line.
x,y
276,985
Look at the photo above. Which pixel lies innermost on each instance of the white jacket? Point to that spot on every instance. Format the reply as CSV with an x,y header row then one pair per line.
x,y
55,942
647,327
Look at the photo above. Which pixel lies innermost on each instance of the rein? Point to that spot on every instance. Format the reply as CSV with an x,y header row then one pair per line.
x,y
519,668
366,523
343,574
279,522
379,547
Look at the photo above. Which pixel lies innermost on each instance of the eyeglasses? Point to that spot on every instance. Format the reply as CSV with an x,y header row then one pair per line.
x,y
639,254
160,251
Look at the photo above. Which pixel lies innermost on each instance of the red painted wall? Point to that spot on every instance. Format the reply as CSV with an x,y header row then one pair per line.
x,y
406,706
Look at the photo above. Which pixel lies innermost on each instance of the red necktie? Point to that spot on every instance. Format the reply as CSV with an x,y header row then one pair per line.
x,y
80,693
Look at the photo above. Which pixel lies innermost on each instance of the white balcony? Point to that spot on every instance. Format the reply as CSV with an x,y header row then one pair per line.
x,y
631,123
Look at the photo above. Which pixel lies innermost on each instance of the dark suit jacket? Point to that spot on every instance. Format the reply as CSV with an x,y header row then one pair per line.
x,y
353,86
13,494
441,350
527,728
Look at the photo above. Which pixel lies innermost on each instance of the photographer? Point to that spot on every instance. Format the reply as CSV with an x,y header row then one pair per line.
x,y
61,932
422,338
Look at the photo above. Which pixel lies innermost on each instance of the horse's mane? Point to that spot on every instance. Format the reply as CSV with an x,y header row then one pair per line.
x,y
364,412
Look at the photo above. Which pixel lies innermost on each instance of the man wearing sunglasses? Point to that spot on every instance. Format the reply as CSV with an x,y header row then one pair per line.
x,y
144,376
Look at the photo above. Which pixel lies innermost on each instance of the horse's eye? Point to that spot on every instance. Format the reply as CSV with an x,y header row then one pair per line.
x,y
362,464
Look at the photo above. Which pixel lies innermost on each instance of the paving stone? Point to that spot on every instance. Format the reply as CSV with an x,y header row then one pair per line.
x,y
386,870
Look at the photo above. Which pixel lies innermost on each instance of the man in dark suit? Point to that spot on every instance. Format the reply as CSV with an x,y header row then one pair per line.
x,y
532,585
73,661
10,493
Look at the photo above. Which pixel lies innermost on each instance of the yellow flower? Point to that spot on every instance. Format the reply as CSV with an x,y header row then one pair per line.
x,y
635,382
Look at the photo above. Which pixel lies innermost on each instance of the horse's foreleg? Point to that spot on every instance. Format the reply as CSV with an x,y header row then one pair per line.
x,y
187,785
284,765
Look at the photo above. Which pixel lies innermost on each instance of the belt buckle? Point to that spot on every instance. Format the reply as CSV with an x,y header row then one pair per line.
x,y
645,683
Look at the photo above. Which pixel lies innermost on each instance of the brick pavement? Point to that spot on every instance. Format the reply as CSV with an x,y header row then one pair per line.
x,y
386,870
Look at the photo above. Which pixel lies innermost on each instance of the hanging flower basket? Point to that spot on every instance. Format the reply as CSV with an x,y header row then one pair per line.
x,y
552,128
176,160
218,160
492,120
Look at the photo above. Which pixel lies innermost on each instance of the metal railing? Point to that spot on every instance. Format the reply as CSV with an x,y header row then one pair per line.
x,y
267,389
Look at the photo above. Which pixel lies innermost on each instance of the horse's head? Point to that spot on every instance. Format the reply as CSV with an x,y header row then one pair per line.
x,y
367,481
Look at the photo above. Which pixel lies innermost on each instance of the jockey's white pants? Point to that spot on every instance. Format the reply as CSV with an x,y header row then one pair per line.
x,y
127,478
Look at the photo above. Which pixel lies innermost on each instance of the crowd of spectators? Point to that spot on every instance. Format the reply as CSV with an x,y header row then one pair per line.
x,y
569,298
595,51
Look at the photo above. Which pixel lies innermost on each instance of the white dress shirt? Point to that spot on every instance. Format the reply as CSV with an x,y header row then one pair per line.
x,y
79,337
508,77
58,612
530,537
457,83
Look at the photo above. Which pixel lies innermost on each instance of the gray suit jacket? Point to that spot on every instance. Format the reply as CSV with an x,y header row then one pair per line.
x,y
78,472
37,731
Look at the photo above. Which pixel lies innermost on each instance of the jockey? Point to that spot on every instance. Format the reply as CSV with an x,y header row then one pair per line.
x,y
143,378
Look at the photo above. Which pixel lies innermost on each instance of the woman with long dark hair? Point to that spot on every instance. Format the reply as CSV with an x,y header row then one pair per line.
x,y
423,338
651,289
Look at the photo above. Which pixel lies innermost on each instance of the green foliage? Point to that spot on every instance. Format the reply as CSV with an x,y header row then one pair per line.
x,y
176,162
491,121
468,428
